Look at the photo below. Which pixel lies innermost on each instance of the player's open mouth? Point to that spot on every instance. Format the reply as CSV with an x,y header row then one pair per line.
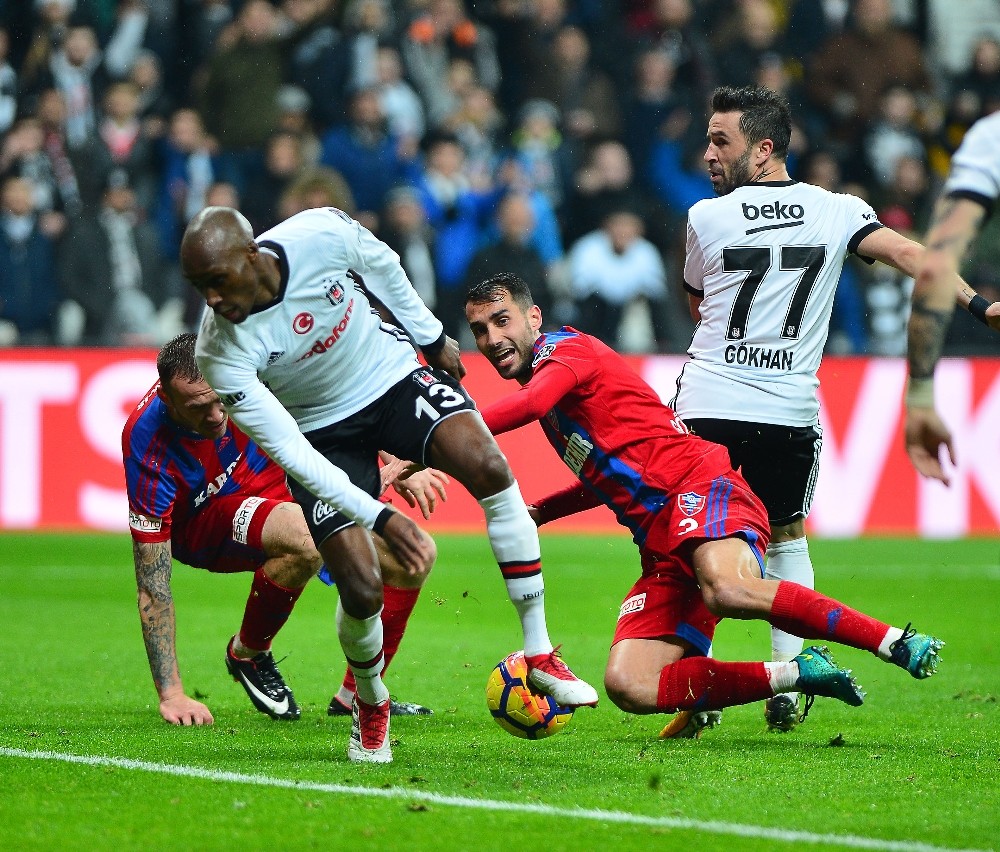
x,y
504,357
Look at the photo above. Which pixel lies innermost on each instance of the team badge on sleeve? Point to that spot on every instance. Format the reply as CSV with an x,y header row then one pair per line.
x,y
543,353
690,503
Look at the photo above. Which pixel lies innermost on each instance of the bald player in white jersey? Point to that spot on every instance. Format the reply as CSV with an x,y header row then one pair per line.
x,y
968,198
307,367
763,262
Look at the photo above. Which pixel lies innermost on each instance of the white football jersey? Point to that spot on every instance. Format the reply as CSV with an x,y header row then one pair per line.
x,y
975,166
319,352
766,258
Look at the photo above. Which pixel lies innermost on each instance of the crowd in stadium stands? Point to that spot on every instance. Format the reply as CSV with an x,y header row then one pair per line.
x,y
557,139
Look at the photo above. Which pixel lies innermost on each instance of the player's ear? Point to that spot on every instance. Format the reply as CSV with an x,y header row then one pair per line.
x,y
766,147
534,315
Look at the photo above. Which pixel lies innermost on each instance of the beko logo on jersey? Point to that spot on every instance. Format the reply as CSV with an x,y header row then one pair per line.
x,y
321,346
215,486
755,356
773,211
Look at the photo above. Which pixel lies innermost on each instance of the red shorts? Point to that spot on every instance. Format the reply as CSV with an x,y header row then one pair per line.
x,y
225,536
666,600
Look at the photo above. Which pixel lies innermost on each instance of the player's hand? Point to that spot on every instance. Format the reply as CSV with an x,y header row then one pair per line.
x,y
926,434
448,359
423,488
408,542
181,710
392,468
534,514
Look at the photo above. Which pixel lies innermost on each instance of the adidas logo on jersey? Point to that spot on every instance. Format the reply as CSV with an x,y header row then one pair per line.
x,y
773,211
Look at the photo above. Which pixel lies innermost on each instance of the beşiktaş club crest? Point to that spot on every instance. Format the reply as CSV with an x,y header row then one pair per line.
x,y
335,293
425,378
690,503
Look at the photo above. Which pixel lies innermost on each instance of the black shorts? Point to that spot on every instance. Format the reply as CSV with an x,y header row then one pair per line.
x,y
400,422
780,463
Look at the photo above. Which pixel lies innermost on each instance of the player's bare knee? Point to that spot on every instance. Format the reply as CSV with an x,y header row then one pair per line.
x,y
492,476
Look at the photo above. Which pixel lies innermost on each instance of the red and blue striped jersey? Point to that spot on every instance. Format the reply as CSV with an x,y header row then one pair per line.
x,y
172,473
616,434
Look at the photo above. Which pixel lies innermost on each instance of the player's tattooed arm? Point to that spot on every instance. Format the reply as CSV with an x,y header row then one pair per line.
x,y
925,333
954,225
156,612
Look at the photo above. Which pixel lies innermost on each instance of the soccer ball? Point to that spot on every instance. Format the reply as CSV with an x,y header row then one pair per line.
x,y
518,707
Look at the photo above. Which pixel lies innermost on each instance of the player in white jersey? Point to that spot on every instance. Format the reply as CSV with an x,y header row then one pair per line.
x,y
763,262
967,200
307,367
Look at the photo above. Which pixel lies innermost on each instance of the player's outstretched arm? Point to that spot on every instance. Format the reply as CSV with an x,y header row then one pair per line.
x,y
156,613
926,436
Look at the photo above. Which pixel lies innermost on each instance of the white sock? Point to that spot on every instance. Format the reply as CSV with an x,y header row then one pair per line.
x,y
782,676
891,636
514,539
361,639
788,560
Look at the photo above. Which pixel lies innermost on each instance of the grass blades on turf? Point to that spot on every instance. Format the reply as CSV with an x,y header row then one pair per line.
x,y
917,766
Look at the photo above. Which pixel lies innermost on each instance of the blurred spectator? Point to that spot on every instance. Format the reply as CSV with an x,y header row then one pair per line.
x,y
76,69
670,25
283,163
370,159
477,124
403,108
23,155
128,147
8,84
80,169
29,290
406,231
437,37
752,33
893,135
367,24
585,96
612,270
811,23
132,19
238,97
981,78
845,81
539,152
51,23
953,29
512,251
319,62
189,168
459,212
319,186
605,184
293,117
677,171
111,268
652,100
155,104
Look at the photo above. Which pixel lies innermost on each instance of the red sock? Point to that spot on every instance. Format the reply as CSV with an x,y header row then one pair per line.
x,y
806,613
701,683
268,608
396,608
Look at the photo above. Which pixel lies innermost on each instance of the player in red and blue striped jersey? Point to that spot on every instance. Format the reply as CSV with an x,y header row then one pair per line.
x,y
701,531
202,492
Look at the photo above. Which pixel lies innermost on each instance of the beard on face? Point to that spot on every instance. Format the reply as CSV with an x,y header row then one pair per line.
x,y
737,176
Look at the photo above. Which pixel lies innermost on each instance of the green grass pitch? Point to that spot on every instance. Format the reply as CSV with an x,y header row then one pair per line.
x,y
917,767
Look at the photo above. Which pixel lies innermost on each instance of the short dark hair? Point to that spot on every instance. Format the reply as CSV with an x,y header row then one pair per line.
x,y
766,114
494,287
176,358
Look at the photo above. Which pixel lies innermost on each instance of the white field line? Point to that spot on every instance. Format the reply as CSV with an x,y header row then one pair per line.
x,y
708,826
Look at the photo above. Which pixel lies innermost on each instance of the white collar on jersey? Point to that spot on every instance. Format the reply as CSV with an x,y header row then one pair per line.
x,y
266,250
